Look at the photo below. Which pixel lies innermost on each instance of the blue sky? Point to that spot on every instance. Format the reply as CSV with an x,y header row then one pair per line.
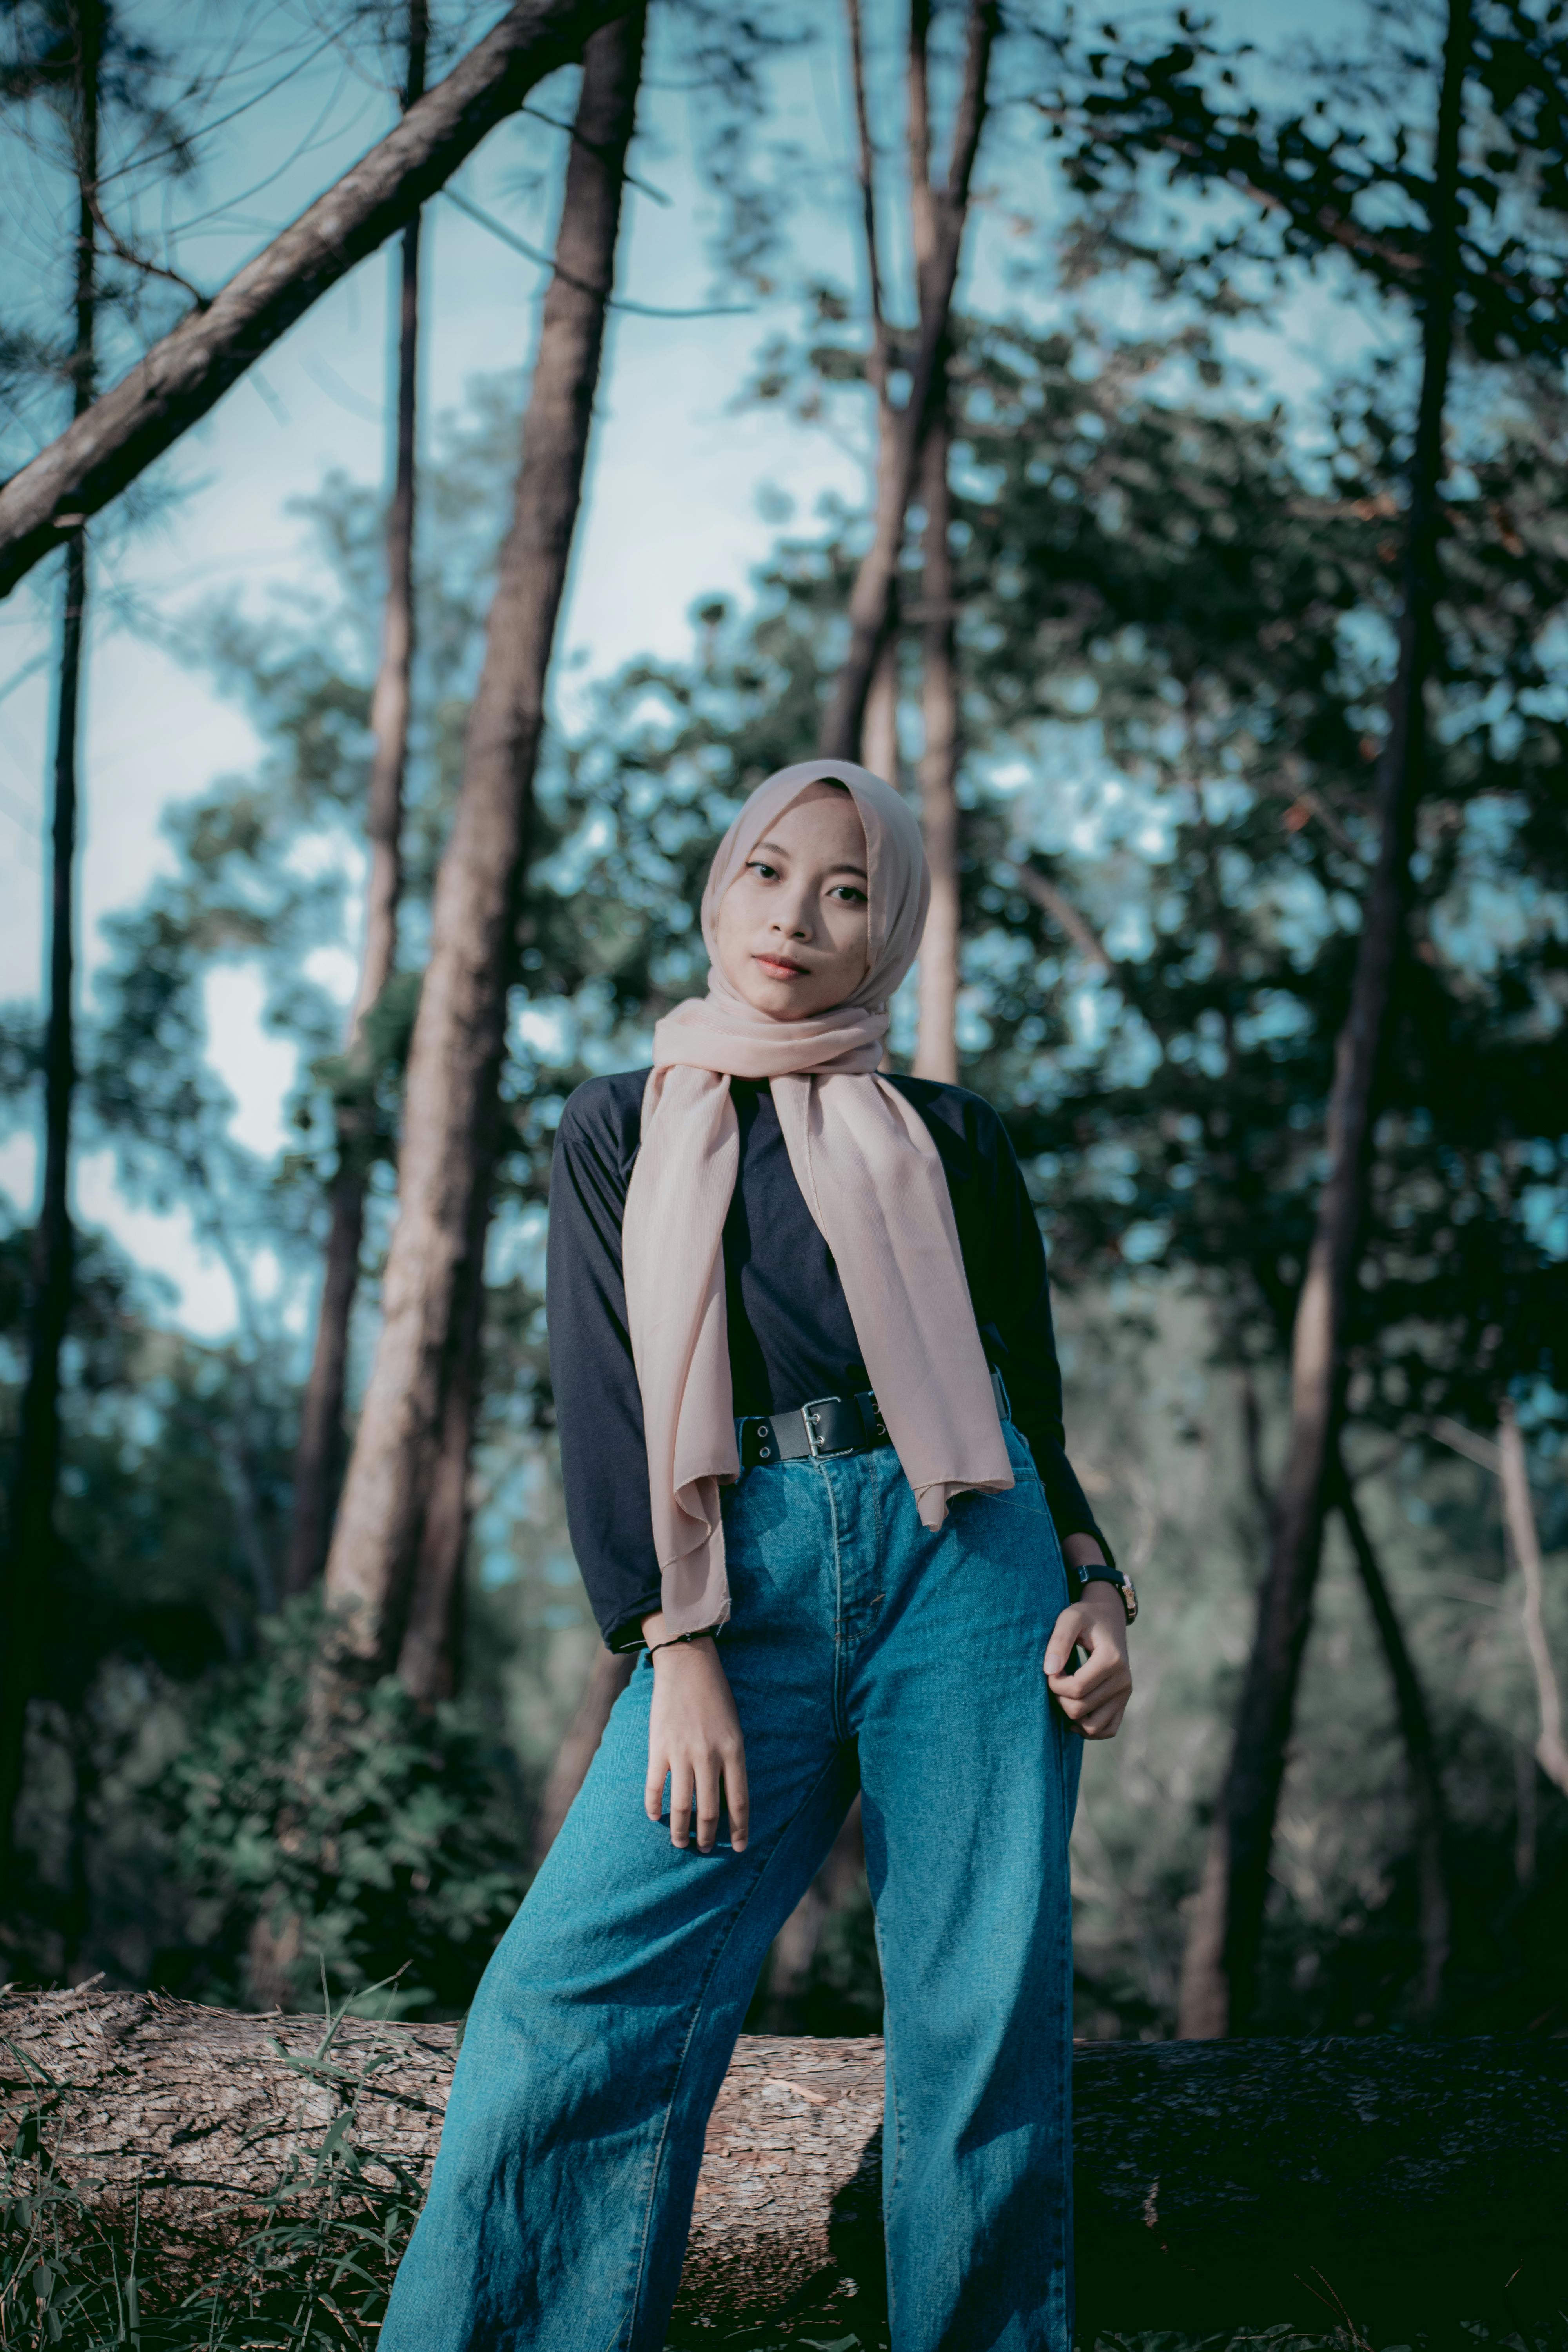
x,y
672,508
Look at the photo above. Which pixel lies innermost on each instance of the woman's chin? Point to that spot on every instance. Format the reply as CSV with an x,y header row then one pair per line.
x,y
778,999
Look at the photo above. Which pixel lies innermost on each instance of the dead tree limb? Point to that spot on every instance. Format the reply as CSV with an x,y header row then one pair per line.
x,y
175,385
1217,2184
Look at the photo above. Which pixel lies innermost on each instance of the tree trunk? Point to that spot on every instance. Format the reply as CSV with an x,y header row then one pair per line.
x,y
879,733
1524,1542
455,1058
430,1651
1406,2185
610,1673
189,370
871,598
319,1453
1435,1905
28,1567
794,1947
1222,1975
936,1056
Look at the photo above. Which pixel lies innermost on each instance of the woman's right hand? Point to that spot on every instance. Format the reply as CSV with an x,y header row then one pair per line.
x,y
694,1737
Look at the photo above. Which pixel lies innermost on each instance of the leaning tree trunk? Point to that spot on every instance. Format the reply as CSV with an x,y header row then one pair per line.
x,y
317,1452
455,1060
1435,1909
28,1565
871,598
1219,1980
1397,2185
189,370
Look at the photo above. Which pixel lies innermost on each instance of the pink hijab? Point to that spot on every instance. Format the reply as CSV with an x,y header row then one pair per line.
x,y
866,1164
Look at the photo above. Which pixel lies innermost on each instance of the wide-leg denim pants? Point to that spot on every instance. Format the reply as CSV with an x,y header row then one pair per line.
x,y
863,1650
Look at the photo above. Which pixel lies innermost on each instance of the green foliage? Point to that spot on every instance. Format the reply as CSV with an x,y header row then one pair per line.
x,y
392,1871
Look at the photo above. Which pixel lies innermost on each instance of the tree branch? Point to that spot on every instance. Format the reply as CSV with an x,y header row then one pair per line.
x,y
185,374
1066,916
881,368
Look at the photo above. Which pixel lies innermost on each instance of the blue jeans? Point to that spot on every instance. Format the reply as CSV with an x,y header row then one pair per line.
x,y
863,1650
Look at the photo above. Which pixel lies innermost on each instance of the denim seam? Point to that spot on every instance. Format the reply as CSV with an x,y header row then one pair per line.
x,y
839,1726
710,1972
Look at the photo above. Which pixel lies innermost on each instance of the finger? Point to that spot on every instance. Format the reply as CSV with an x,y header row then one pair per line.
x,y
1066,1635
680,1792
707,1804
1104,1722
738,1800
653,1788
1084,1684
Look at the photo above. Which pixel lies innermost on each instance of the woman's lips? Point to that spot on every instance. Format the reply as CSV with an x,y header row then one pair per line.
x,y
777,970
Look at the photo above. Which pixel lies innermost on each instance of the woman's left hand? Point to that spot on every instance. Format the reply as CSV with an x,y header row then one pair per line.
x,y
1094,1699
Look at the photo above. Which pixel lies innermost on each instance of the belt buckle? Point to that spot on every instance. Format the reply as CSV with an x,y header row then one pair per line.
x,y
820,1453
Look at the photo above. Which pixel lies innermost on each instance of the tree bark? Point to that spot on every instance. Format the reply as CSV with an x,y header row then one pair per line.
x,y
1405,2184
455,1059
1524,1542
936,1054
608,1677
879,731
190,369
430,1655
28,1565
318,1453
1435,1904
871,598
1222,1968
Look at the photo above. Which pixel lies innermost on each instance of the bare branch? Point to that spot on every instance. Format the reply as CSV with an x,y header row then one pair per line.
x,y
923,195
1066,916
881,365
128,254
1483,1451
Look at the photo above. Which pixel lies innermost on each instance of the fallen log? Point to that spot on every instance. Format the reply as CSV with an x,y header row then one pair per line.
x,y
1404,2184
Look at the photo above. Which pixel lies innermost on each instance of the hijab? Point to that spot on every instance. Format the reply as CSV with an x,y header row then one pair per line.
x,y
872,1177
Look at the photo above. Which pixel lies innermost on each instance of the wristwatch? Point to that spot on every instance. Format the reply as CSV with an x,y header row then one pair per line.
x,y
1100,1571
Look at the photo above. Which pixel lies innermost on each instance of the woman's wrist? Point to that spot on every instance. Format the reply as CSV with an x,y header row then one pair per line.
x,y
662,1645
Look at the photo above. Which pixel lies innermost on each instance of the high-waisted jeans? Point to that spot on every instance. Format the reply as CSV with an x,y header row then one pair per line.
x,y
863,1650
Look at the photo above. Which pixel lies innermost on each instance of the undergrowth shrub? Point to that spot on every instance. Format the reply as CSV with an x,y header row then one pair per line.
x,y
392,1872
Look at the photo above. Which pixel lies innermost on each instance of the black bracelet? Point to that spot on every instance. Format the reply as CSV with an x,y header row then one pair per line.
x,y
704,1633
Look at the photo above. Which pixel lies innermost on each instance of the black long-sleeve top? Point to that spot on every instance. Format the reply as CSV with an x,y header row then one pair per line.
x,y
791,1338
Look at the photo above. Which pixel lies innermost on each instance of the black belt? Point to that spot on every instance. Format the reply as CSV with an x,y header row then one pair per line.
x,y
827,1428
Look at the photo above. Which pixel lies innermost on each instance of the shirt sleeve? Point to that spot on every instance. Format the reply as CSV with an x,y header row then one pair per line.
x,y
1009,1282
598,1404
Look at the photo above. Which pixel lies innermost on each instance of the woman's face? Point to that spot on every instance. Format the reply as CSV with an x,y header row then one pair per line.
x,y
794,925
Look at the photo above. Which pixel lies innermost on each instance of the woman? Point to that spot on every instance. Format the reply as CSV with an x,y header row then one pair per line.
x,y
810,1421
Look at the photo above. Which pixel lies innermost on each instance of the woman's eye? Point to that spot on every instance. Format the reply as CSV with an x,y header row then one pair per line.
x,y
768,873
847,890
